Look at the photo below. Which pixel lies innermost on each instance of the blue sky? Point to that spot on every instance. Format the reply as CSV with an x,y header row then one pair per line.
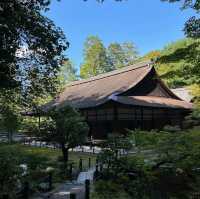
x,y
150,24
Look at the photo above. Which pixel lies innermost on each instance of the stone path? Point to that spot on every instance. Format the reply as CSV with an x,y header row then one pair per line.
x,y
63,192
87,175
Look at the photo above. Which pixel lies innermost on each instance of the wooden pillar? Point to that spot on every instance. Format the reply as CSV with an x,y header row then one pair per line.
x,y
135,115
89,163
168,117
72,196
96,115
115,112
142,118
39,122
152,119
87,189
86,115
181,116
80,164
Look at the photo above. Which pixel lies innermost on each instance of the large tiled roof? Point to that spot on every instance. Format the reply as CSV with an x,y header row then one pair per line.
x,y
100,89
96,90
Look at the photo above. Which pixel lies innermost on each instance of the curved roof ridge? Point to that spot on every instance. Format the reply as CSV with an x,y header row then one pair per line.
x,y
112,73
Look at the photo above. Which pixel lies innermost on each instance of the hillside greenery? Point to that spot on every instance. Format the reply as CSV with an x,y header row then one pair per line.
x,y
178,64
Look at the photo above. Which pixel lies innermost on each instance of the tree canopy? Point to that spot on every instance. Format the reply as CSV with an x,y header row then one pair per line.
x,y
121,55
178,63
31,46
99,59
95,58
67,72
66,127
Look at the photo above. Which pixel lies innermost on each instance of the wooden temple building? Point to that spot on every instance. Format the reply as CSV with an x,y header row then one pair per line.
x,y
129,98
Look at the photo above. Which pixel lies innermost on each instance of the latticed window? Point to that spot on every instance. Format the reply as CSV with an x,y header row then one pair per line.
x,y
99,115
126,114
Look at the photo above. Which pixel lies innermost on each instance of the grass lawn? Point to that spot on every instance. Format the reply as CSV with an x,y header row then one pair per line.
x,y
38,159
51,155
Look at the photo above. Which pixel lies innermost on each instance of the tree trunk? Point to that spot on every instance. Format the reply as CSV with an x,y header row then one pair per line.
x,y
65,153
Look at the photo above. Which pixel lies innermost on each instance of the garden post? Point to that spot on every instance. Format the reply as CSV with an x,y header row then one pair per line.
x,y
70,170
72,196
93,150
101,167
96,168
108,165
89,163
80,164
50,180
26,190
87,189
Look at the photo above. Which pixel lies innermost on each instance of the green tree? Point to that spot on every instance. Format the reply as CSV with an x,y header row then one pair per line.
x,y
10,119
178,63
116,55
68,73
67,128
95,58
130,52
31,46
152,56
121,55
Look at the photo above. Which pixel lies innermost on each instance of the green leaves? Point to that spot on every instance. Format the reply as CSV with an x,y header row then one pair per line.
x,y
31,47
95,58
98,59
68,73
121,55
192,27
178,63
66,126
167,166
